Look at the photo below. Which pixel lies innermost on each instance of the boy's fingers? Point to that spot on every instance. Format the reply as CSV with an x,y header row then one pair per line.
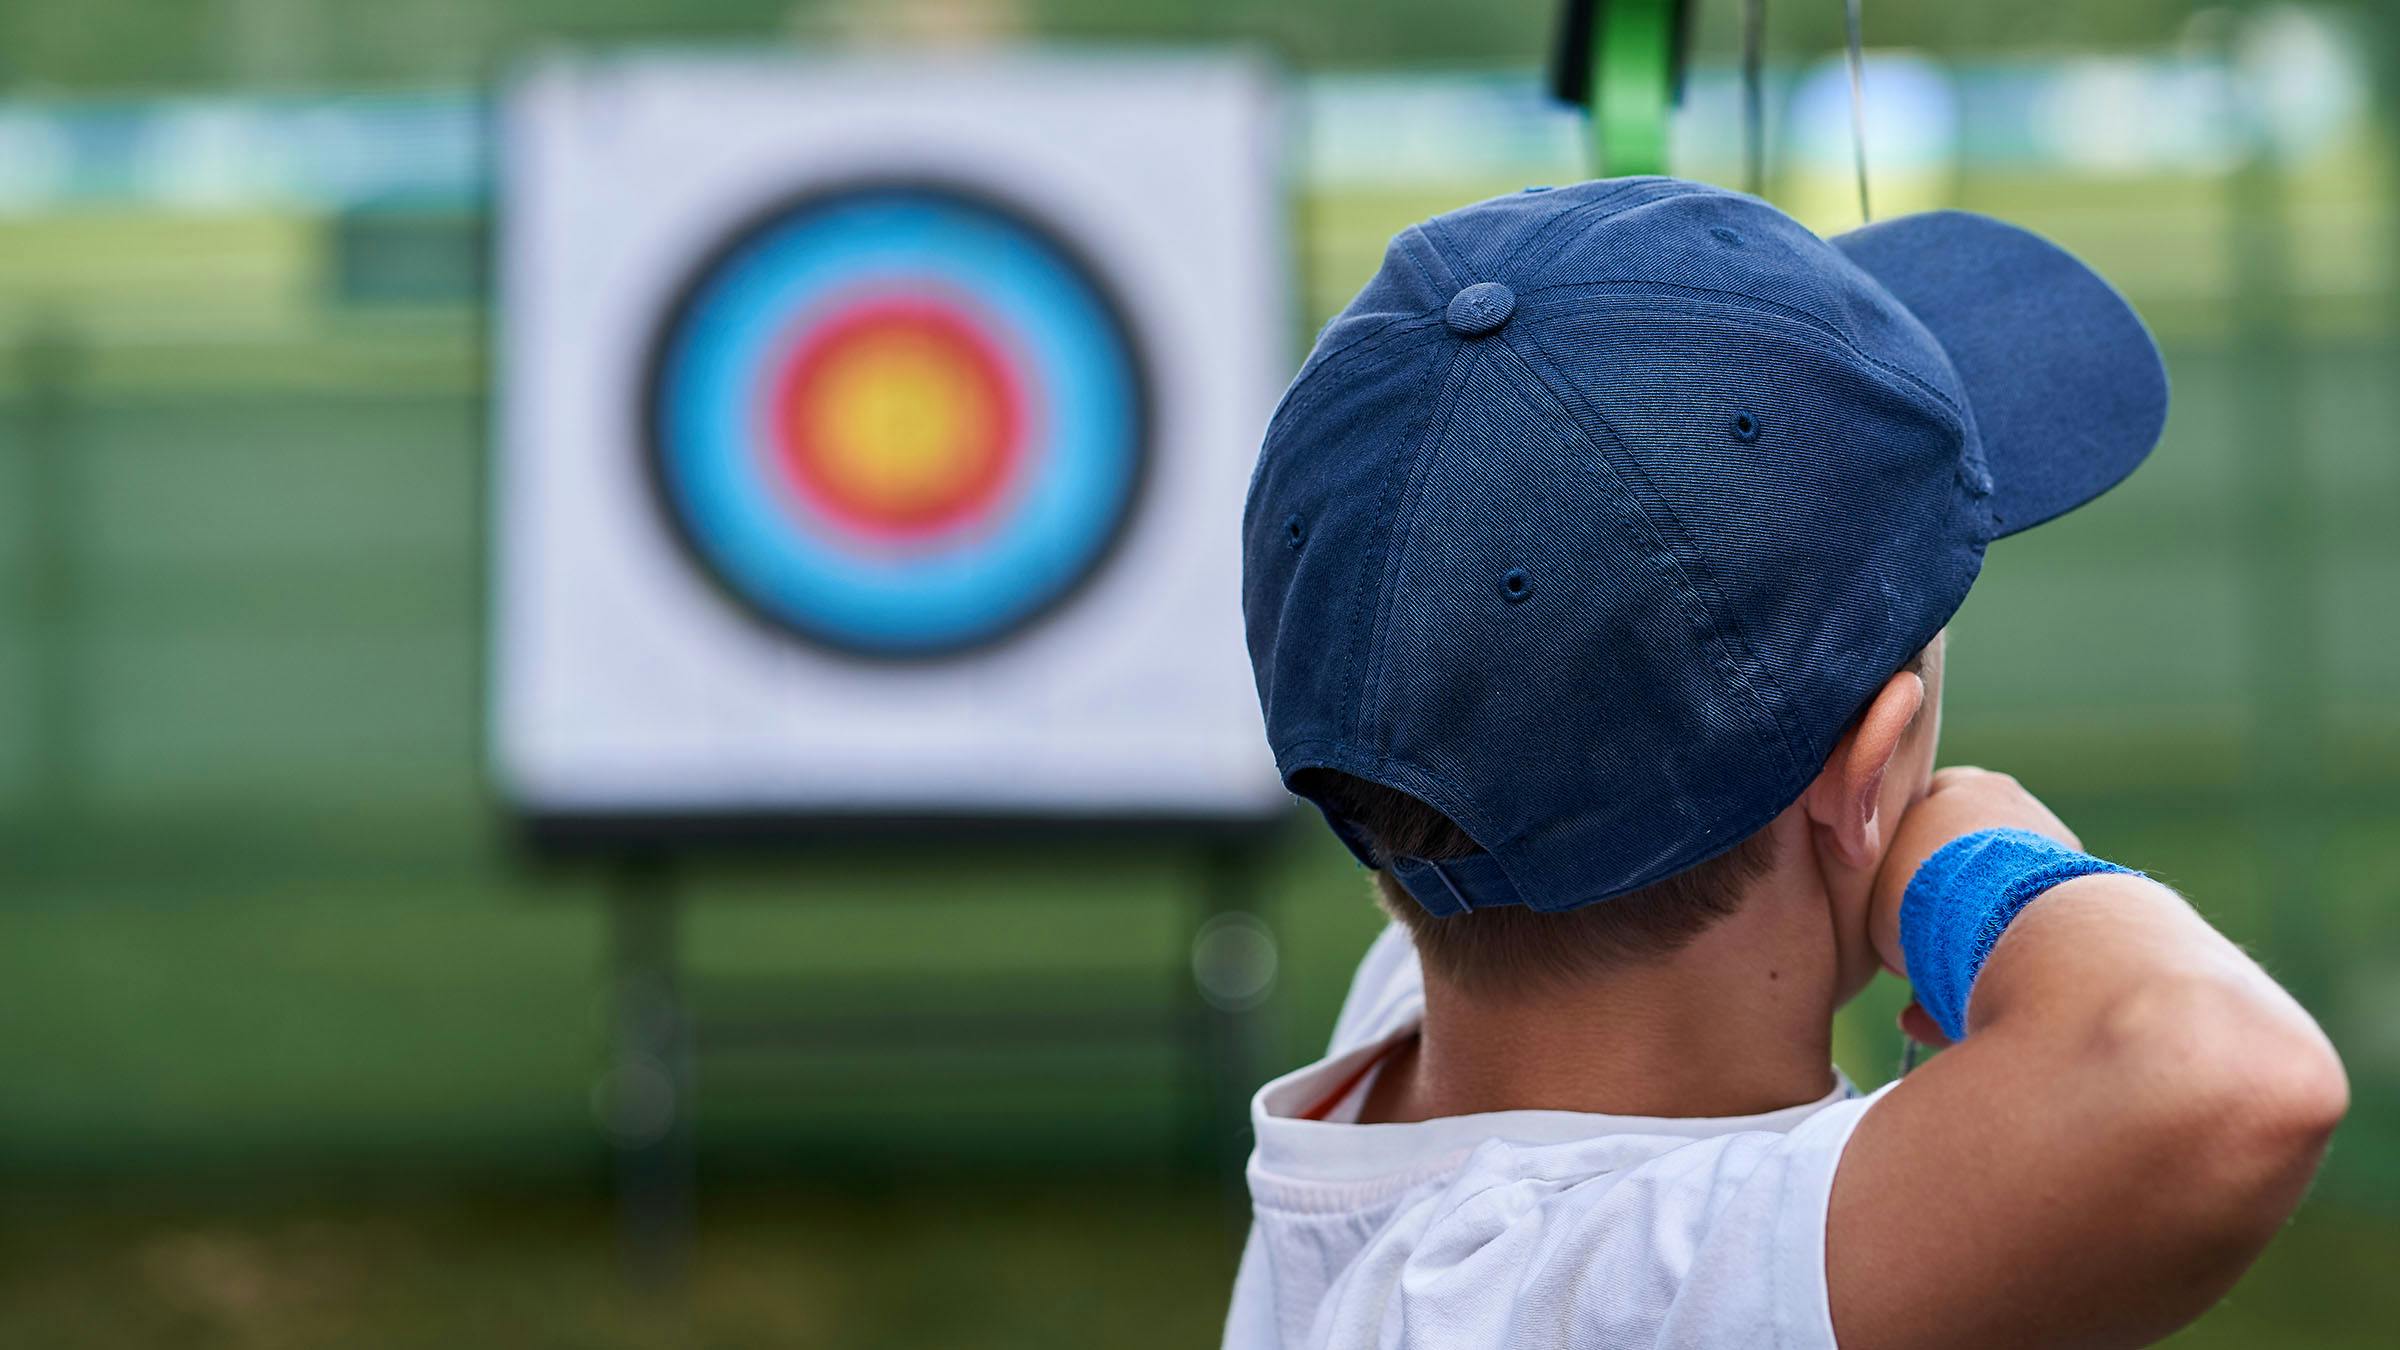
x,y
1962,801
1918,1025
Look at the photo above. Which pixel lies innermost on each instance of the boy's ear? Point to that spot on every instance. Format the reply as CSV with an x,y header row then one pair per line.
x,y
1845,804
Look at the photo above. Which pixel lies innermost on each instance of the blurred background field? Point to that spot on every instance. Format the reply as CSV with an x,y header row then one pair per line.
x,y
294,1050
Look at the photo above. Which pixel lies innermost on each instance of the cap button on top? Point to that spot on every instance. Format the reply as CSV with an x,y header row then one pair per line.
x,y
1480,308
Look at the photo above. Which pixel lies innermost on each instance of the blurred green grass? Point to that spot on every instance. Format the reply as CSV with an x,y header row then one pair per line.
x,y
1112,1261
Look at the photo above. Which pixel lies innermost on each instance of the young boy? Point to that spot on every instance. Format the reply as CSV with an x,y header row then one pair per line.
x,y
1596,568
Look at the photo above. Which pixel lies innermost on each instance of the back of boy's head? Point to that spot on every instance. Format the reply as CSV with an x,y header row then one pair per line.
x,y
1596,518
1513,949
1516,949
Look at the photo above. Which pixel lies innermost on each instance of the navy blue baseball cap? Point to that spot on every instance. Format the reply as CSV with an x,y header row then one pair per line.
x,y
1597,517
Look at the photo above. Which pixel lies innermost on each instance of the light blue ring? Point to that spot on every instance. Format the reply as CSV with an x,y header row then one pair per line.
x,y
1079,463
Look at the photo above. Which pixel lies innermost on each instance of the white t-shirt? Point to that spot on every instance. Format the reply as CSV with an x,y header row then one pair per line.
x,y
1527,1228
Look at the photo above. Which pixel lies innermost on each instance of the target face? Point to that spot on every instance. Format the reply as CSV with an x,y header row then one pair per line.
x,y
865,438
898,421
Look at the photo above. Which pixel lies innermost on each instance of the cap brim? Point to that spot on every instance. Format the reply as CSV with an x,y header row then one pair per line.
x,y
2065,384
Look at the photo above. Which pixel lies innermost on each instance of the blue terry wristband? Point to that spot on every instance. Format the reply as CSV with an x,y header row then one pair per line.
x,y
1961,900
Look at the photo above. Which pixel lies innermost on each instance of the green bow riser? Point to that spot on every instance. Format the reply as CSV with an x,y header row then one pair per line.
x,y
1623,59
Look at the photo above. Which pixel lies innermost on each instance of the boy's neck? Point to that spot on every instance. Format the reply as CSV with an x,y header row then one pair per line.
x,y
1737,1023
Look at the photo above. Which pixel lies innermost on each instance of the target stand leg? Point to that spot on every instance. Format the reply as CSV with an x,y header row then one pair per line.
x,y
645,1099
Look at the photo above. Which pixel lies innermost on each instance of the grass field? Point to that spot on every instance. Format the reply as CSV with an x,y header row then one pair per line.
x,y
999,1264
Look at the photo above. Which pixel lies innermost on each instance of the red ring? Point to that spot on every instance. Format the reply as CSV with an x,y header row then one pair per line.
x,y
995,448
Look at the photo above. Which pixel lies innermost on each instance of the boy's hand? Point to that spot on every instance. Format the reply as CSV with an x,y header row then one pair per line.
x,y
1960,802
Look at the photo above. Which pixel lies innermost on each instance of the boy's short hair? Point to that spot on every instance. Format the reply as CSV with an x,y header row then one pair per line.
x,y
1494,952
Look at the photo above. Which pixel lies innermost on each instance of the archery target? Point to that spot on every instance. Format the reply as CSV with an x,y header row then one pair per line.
x,y
871,438
899,421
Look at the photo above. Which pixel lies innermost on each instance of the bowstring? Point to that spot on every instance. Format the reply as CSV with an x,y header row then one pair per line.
x,y
1754,99
1909,1049
1754,15
1858,103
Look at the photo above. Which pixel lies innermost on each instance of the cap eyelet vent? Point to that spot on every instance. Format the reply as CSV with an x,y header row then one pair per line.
x,y
1295,532
1515,584
1745,427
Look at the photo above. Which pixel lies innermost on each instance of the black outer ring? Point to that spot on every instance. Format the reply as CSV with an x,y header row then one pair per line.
x,y
783,211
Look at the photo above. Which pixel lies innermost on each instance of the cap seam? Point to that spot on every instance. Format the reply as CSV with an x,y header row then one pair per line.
x,y
1297,401
1403,517
1437,235
1426,323
1423,231
1581,215
1725,630
1746,301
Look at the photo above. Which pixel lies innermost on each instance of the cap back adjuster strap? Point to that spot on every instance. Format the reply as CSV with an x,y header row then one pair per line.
x,y
1456,885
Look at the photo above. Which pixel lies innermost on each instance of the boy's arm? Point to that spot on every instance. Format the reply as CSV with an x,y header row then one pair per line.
x,y
2136,1110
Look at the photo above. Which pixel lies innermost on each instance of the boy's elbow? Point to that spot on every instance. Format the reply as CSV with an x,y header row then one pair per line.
x,y
2243,1093
2303,1096
2272,1128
